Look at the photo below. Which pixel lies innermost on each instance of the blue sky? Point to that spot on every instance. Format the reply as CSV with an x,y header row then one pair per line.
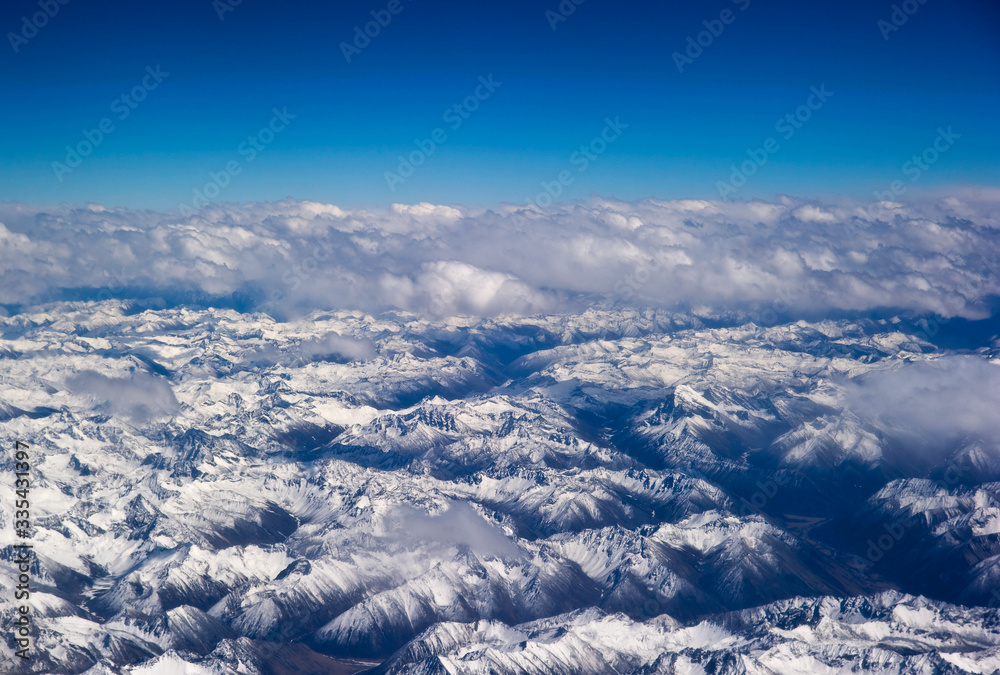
x,y
222,79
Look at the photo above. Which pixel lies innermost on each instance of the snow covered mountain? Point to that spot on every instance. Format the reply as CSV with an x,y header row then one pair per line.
x,y
607,491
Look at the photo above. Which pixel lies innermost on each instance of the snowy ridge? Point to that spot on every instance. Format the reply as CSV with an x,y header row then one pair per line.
x,y
887,633
609,490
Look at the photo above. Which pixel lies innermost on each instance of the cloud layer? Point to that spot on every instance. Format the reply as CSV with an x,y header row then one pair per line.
x,y
940,401
775,261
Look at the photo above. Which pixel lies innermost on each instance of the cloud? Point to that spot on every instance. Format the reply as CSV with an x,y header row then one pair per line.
x,y
460,525
941,401
140,398
337,345
449,286
788,258
332,345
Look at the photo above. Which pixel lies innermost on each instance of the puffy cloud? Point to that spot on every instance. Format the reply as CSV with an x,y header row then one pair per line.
x,y
790,257
449,286
458,526
938,402
140,398
812,214
330,346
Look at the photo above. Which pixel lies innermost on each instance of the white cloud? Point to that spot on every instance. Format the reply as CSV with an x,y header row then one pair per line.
x,y
940,401
289,257
140,398
459,525
812,214
330,345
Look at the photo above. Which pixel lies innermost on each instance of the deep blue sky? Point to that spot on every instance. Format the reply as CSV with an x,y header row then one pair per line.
x,y
608,59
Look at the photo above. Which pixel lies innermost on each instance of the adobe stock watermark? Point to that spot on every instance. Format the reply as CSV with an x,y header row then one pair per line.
x,y
299,273
642,272
37,21
766,490
454,117
697,44
896,529
223,7
248,150
121,281
787,126
901,13
581,160
915,167
381,18
122,107
561,13
927,327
